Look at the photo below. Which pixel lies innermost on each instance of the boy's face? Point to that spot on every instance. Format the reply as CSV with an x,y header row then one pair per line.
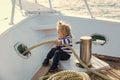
x,y
60,34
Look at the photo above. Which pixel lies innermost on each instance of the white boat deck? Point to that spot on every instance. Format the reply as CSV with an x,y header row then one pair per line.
x,y
96,63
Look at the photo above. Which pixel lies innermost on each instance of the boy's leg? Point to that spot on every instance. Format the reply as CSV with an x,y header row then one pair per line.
x,y
49,56
56,59
65,56
59,55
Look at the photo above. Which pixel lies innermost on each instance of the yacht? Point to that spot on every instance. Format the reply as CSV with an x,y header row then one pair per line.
x,y
38,24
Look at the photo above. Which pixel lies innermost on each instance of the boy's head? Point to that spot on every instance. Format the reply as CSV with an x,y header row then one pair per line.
x,y
63,29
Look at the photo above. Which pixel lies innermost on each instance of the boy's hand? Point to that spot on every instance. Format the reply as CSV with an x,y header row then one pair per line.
x,y
58,43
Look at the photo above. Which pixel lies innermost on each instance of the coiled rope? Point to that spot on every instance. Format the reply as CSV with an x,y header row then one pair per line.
x,y
74,53
67,75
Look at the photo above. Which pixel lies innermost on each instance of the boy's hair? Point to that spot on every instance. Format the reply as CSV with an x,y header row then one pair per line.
x,y
65,28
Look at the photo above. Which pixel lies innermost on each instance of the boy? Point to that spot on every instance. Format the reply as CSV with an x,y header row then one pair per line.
x,y
60,52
